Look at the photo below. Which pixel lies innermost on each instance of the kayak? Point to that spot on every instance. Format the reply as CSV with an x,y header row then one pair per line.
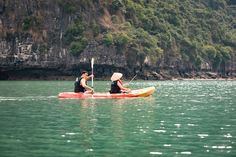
x,y
145,92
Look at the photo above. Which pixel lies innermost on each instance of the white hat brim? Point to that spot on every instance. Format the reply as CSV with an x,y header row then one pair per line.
x,y
116,76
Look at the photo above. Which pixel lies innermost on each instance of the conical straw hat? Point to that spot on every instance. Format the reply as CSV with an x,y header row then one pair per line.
x,y
116,76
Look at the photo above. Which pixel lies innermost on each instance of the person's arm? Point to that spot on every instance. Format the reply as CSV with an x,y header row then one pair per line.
x,y
122,87
83,83
90,76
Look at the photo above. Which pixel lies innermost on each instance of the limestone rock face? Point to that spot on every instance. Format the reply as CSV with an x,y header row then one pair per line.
x,y
34,42
32,37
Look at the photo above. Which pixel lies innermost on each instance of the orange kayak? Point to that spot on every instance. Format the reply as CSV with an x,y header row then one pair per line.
x,y
145,92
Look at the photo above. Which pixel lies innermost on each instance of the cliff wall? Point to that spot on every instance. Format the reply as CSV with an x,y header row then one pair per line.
x,y
40,39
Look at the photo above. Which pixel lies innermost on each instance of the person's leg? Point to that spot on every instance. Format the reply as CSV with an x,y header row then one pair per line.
x,y
88,92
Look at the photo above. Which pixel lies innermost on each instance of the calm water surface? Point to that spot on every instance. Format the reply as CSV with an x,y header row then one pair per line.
x,y
182,118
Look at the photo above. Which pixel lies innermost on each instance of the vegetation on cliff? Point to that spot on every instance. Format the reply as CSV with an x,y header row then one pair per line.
x,y
184,35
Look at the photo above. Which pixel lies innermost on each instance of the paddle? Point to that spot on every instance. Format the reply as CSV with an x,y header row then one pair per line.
x,y
92,62
132,79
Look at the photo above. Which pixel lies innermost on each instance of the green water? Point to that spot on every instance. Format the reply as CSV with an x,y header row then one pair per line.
x,y
182,118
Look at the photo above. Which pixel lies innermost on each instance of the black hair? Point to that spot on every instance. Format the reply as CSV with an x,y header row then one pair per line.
x,y
83,72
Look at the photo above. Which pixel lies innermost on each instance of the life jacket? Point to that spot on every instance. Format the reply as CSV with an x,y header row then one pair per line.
x,y
115,88
78,87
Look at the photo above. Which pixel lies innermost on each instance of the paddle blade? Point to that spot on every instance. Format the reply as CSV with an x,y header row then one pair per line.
x,y
92,62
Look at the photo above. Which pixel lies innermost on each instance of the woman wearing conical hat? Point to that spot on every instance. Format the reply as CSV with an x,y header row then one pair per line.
x,y
117,85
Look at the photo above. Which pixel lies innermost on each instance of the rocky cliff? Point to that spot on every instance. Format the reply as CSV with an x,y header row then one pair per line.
x,y
42,39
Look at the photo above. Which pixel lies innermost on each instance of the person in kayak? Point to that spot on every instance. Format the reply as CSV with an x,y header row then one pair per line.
x,y
81,84
117,85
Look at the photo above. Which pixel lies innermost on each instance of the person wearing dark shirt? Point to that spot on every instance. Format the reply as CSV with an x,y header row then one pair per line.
x,y
117,85
81,84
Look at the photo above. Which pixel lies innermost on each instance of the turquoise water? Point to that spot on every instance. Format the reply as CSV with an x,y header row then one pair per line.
x,y
182,118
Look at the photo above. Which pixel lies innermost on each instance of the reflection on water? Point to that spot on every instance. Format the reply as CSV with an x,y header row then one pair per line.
x,y
108,123
182,118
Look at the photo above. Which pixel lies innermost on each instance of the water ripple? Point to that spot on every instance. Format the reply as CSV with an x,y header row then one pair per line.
x,y
27,98
156,153
183,118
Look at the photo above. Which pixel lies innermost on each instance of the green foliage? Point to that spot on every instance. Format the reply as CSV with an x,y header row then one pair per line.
x,y
68,6
27,23
95,28
76,38
116,38
32,22
74,31
230,38
198,61
210,51
217,4
39,48
108,39
147,23
114,19
146,45
76,47
43,48
191,31
121,39
126,26
217,54
34,47
116,5
227,52
217,61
